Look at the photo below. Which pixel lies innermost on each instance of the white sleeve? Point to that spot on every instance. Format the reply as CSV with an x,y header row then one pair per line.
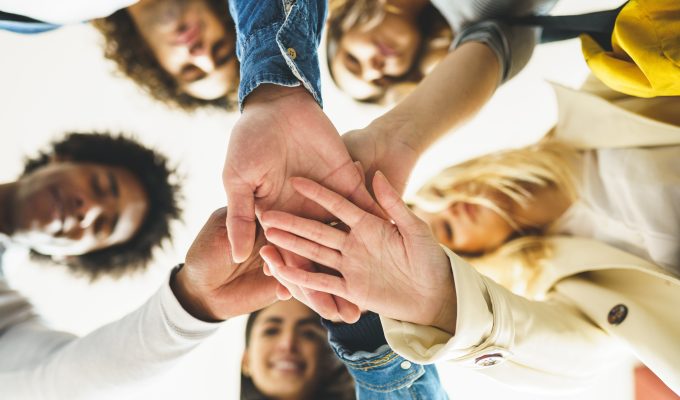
x,y
540,346
64,11
37,363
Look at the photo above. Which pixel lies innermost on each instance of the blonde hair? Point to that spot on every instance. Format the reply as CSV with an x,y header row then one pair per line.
x,y
513,173
437,36
516,265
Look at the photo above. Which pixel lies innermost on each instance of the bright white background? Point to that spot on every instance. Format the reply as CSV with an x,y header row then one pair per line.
x,y
59,82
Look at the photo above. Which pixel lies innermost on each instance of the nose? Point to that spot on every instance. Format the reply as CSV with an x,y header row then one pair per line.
x,y
201,57
287,342
86,210
373,70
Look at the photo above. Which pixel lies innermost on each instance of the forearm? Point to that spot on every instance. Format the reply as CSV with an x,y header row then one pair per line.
x,y
38,363
451,94
498,332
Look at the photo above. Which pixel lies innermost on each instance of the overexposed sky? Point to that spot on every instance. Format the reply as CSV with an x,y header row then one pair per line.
x,y
59,82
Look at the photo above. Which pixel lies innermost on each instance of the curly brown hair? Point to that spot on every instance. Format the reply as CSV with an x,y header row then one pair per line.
x,y
124,45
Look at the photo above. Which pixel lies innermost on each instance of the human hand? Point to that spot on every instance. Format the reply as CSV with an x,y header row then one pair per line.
x,y
211,287
394,269
381,147
330,307
282,133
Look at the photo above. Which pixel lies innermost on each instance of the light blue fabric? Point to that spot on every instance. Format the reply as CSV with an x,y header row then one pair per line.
x,y
266,30
385,375
20,24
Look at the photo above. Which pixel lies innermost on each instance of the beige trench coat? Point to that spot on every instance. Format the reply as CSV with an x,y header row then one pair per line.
x,y
589,304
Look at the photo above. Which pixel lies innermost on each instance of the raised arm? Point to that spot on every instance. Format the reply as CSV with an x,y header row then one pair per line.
x,y
39,363
433,305
484,55
378,372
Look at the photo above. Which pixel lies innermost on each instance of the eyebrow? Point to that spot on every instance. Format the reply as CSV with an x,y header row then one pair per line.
x,y
113,184
115,191
306,321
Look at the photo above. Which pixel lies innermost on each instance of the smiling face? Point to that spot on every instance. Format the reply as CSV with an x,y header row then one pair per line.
x,y
467,227
369,59
70,209
191,43
284,349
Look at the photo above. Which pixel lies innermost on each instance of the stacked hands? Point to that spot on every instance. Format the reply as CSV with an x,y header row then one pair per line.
x,y
293,172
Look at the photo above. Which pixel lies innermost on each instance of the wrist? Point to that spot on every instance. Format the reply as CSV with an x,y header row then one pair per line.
x,y
443,301
267,93
190,298
396,128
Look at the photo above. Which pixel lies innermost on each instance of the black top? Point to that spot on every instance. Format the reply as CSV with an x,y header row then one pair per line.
x,y
366,334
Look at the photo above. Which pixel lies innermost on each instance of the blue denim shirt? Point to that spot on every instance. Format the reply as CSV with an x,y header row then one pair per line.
x,y
277,42
382,374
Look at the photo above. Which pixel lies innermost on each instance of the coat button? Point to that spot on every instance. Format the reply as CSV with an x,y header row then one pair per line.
x,y
488,360
617,314
292,53
405,365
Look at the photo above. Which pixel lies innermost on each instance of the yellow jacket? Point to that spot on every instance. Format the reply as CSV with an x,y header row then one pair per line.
x,y
588,304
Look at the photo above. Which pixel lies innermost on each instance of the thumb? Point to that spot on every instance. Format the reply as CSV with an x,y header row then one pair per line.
x,y
394,206
241,221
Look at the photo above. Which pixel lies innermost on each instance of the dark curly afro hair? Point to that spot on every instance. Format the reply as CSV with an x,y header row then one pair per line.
x,y
152,171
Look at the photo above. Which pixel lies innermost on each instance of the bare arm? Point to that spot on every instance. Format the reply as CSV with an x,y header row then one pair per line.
x,y
450,95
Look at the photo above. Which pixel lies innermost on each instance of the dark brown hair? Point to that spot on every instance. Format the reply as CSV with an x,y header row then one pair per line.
x,y
124,45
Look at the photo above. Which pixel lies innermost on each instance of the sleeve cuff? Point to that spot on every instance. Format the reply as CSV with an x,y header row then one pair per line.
x,y
474,323
178,319
364,335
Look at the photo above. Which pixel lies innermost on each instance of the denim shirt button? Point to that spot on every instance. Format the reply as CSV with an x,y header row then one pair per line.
x,y
292,53
405,365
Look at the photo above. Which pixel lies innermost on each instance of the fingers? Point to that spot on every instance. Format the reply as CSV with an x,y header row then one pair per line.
x,y
305,248
282,292
331,201
309,229
313,280
241,221
363,199
391,202
322,303
348,311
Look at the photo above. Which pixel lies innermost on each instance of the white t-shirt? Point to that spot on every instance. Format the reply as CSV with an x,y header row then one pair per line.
x,y
630,198
64,11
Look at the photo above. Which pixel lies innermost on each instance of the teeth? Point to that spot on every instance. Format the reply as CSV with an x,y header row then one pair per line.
x,y
286,365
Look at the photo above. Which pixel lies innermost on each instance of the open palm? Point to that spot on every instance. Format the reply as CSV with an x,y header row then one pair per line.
x,y
395,269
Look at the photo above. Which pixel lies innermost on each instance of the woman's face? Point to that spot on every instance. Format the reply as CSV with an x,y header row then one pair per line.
x,y
468,228
368,59
191,43
283,353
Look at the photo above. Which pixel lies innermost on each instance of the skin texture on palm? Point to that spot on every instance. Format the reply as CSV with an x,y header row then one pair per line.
x,y
395,269
282,133
211,286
